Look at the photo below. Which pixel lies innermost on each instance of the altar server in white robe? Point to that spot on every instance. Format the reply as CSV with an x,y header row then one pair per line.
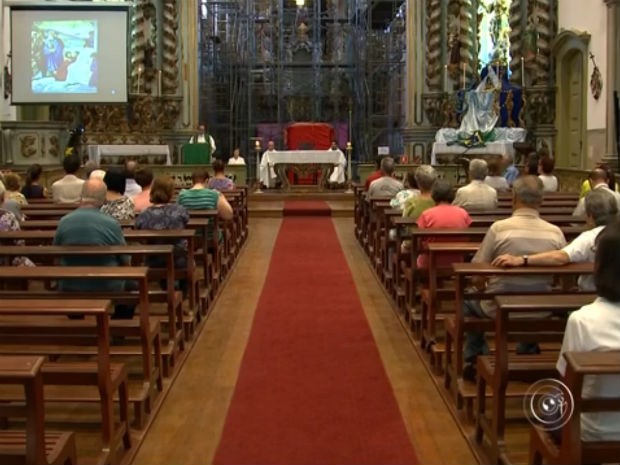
x,y
267,174
337,176
202,137
236,158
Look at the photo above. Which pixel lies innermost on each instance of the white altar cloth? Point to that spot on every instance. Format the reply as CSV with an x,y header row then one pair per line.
x,y
267,174
503,145
95,152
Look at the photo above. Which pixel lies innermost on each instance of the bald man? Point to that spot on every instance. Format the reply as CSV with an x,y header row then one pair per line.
x,y
87,225
598,180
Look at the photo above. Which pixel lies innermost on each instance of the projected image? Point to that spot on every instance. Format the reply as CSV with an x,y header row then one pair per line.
x,y
64,57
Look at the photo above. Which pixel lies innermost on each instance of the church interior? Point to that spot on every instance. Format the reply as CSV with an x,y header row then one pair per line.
x,y
310,231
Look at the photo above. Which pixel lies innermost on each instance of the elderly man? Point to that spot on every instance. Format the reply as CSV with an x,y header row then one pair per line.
x,y
87,225
601,209
386,184
523,234
599,181
476,195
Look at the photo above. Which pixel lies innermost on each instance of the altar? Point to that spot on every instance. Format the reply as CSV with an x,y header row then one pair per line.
x,y
96,152
275,164
445,150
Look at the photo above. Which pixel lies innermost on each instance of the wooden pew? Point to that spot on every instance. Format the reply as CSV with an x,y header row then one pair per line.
x,y
573,450
413,277
34,446
173,299
41,326
505,373
143,327
131,236
437,291
457,325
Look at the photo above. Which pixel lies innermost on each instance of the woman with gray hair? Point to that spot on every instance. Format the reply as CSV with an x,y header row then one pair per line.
x,y
425,177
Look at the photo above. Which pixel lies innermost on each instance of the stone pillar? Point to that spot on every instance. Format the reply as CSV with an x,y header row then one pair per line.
x,y
612,81
414,134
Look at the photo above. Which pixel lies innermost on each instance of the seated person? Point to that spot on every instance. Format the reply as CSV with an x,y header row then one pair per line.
x,y
219,181
411,190
495,178
386,184
13,187
596,327
165,214
236,158
523,234
69,188
87,225
586,186
531,164
476,196
545,173
132,188
443,215
10,222
599,180
425,176
199,197
33,189
374,175
511,172
117,204
601,209
144,178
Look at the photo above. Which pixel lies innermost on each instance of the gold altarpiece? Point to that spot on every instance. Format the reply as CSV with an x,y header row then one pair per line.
x,y
445,40
158,111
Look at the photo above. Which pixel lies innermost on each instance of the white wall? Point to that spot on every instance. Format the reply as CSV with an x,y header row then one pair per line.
x,y
589,16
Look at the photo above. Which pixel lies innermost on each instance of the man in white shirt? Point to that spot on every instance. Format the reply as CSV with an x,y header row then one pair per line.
x,y
337,176
601,209
594,328
69,188
476,196
236,158
132,188
267,174
202,137
598,180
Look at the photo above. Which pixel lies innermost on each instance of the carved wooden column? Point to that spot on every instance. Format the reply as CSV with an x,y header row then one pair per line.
x,y
613,75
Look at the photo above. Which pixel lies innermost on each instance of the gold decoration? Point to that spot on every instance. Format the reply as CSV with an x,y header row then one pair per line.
x,y
28,146
433,45
54,149
170,56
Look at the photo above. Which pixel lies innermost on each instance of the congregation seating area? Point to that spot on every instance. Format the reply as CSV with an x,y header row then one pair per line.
x,y
76,385
490,408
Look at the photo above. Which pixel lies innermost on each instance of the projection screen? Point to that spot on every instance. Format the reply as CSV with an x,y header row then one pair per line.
x,y
63,53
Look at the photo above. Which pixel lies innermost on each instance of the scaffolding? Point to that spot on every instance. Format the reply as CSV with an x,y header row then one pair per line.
x,y
274,62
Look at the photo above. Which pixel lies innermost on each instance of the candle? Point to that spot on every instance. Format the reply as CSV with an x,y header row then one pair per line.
x,y
257,145
445,78
522,73
349,146
159,82
464,75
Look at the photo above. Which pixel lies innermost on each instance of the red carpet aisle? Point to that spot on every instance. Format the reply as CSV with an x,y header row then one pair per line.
x,y
306,208
312,388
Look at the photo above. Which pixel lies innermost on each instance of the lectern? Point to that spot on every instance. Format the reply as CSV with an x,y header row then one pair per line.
x,y
196,154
